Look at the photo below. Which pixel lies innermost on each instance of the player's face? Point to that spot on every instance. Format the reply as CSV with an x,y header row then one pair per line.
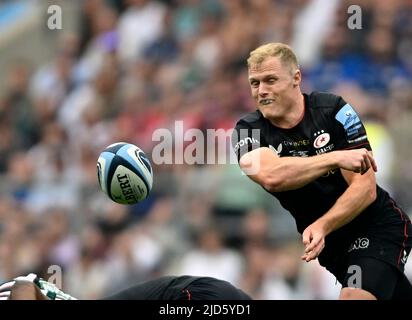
x,y
272,86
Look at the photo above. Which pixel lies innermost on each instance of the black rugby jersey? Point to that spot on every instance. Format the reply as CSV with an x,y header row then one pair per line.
x,y
163,288
182,288
328,124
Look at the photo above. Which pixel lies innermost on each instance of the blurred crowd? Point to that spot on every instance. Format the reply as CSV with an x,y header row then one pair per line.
x,y
137,65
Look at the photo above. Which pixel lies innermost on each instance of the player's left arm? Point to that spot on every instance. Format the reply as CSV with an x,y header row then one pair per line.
x,y
361,192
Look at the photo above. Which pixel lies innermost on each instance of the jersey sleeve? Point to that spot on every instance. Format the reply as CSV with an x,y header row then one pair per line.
x,y
350,130
246,138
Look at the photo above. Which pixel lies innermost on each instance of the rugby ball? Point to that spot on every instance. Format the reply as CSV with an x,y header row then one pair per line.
x,y
124,173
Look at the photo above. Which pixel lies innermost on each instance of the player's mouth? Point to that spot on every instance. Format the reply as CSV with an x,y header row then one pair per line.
x,y
265,102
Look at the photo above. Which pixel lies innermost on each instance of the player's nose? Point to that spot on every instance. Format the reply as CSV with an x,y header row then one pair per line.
x,y
263,90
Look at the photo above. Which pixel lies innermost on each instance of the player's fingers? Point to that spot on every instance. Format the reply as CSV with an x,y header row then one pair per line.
x,y
306,237
317,249
365,165
373,163
315,252
313,244
5,294
30,277
365,161
7,285
357,167
304,257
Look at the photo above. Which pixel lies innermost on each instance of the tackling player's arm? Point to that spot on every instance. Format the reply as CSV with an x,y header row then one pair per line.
x,y
361,192
31,287
278,174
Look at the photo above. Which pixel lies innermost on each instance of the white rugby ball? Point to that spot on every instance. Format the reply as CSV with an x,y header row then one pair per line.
x,y
124,173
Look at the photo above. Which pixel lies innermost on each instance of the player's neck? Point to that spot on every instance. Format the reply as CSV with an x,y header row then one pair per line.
x,y
294,114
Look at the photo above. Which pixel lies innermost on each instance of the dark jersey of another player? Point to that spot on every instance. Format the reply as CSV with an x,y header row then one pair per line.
x,y
328,124
182,288
164,288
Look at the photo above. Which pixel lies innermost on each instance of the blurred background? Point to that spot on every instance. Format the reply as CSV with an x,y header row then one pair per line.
x,y
119,69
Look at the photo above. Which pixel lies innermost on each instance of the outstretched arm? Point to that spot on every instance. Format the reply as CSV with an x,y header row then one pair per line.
x,y
25,290
21,288
31,287
360,193
277,174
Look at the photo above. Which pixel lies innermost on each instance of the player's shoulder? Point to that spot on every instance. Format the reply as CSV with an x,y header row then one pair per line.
x,y
322,100
252,119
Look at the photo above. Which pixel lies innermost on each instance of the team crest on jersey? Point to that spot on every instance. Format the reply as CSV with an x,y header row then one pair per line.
x,y
322,139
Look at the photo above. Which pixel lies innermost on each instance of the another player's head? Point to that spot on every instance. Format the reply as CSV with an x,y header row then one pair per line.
x,y
274,78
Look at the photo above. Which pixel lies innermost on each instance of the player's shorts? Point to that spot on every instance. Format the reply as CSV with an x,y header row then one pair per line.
x,y
182,288
381,279
370,254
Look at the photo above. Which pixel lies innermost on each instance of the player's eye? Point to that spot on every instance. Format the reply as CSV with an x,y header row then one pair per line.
x,y
254,83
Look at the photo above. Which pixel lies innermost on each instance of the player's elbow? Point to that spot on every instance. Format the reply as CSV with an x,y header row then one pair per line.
x,y
272,184
372,194
369,194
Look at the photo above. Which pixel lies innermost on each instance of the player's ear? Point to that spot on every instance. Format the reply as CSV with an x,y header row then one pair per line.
x,y
297,77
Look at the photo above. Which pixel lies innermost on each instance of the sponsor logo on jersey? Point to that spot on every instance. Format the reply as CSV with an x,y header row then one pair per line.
x,y
303,142
358,139
404,257
325,149
321,140
329,173
298,153
353,130
245,141
278,150
360,243
349,119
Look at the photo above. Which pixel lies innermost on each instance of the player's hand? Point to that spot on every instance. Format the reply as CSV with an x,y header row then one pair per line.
x,y
7,288
357,160
51,291
314,240
46,290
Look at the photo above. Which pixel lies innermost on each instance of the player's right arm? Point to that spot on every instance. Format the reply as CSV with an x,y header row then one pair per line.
x,y
278,174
